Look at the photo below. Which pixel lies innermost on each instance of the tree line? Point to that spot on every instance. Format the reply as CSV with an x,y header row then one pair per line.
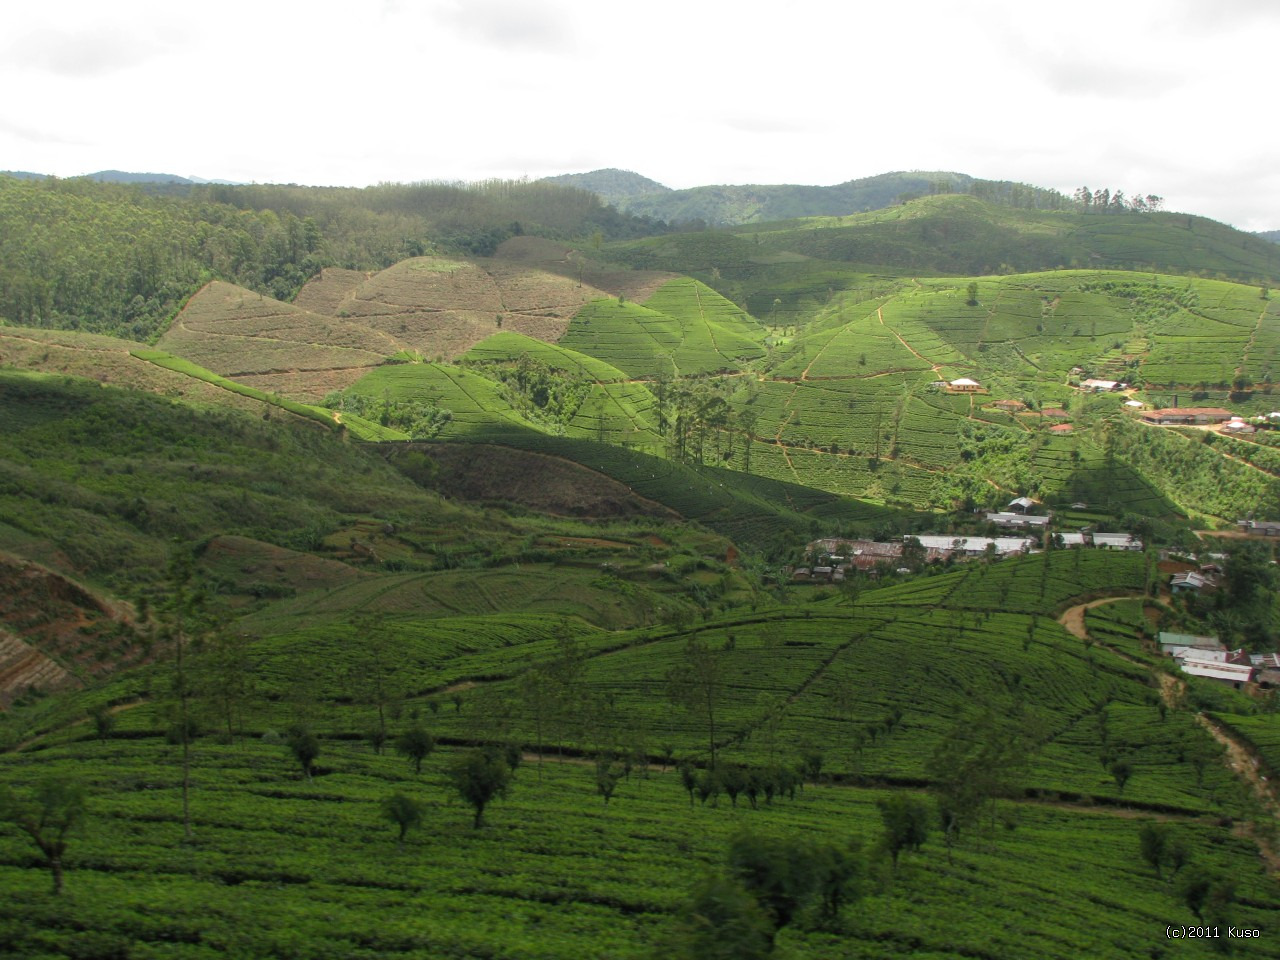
x,y
121,260
1105,200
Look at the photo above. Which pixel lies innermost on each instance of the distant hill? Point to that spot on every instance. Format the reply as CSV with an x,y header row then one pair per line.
x,y
1272,235
122,176
754,203
804,259
614,186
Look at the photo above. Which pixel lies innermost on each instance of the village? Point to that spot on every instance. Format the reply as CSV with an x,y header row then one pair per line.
x,y
836,560
832,559
1209,657
1059,419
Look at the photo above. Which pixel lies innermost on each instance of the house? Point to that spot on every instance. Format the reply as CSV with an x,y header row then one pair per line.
x,y
1188,582
1260,528
1116,541
1236,674
1101,386
1062,429
1017,520
1266,661
1071,539
964,385
1176,644
974,546
1168,416
1238,427
1134,404
1022,504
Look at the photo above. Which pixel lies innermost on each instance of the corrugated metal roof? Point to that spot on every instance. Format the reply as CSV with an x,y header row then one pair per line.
x,y
1218,671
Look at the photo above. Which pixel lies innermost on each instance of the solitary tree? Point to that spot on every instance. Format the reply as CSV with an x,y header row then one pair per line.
x,y
305,747
982,759
185,620
906,824
777,871
373,675
479,776
1121,771
607,777
55,810
404,812
721,921
416,744
695,684
104,721
840,875
1153,844
225,670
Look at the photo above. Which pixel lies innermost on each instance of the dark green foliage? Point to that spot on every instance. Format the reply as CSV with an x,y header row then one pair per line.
x,y
1121,771
415,744
607,776
112,259
403,812
688,778
54,811
842,876
982,759
696,683
480,776
1206,895
104,721
1153,844
906,824
304,747
777,871
811,762
720,921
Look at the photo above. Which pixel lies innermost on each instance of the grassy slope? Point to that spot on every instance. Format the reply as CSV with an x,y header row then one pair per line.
x,y
529,885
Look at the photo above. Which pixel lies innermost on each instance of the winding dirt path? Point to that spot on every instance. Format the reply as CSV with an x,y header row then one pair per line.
x,y
1238,757
1073,617
936,367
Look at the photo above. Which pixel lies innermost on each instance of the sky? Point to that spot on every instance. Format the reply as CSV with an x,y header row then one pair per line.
x,y
1172,97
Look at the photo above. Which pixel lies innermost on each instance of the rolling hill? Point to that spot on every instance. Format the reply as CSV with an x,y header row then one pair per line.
x,y
542,533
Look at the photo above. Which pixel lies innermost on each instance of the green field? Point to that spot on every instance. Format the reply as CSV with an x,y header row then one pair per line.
x,y
876,689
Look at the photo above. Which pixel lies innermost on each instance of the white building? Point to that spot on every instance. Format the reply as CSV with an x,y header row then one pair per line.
x,y
1116,541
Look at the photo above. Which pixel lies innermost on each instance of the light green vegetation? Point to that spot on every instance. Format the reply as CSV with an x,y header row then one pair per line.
x,y
179,365
685,328
876,688
310,869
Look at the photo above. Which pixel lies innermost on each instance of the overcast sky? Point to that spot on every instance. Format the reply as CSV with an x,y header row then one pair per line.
x,y
1174,97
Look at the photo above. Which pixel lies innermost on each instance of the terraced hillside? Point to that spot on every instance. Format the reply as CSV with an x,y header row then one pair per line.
x,y
819,716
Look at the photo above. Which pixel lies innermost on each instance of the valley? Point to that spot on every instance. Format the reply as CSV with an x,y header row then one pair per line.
x,y
292,559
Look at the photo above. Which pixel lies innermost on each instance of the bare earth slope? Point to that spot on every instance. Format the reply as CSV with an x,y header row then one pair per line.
x,y
543,483
68,634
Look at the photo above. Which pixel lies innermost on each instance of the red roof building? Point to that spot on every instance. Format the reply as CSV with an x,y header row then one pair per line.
x,y
1187,415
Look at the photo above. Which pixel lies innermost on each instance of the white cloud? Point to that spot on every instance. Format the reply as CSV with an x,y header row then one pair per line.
x,y
1145,95
511,24
85,52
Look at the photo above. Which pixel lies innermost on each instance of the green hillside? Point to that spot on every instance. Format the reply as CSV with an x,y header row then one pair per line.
x,y
459,609
760,203
869,698
683,329
954,234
